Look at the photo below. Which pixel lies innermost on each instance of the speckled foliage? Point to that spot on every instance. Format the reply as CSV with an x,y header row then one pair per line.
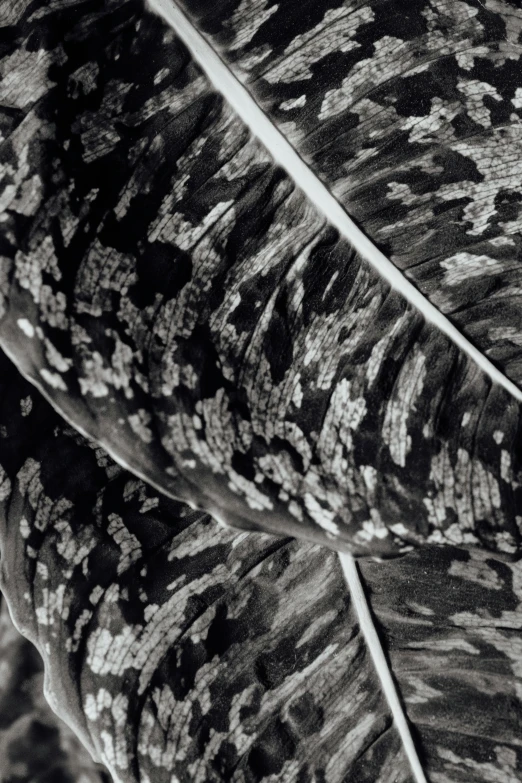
x,y
35,746
180,301
412,112
178,650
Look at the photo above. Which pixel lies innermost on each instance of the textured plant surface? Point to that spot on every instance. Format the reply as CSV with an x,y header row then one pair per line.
x,y
174,647
35,745
181,302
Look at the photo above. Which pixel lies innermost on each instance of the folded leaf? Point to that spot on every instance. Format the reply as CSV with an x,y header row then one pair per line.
x,y
35,746
179,299
177,649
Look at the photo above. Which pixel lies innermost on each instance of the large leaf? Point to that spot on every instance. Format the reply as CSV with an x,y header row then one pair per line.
x,y
180,650
183,287
168,285
411,112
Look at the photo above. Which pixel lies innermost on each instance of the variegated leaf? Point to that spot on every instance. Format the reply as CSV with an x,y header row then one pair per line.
x,y
411,112
181,284
178,650
230,335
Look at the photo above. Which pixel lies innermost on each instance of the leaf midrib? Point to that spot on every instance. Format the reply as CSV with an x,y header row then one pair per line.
x,y
285,155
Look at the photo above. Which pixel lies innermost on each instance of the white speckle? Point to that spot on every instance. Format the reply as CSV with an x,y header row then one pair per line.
x,y
26,327
148,505
297,394
501,240
161,74
25,530
505,466
498,437
320,515
294,103
150,611
139,423
246,20
466,58
253,496
53,602
516,100
53,379
408,389
369,475
295,510
399,529
94,705
26,405
462,266
5,484
96,595
370,530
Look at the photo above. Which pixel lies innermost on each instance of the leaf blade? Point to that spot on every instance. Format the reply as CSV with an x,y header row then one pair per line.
x,y
442,615
205,608
402,111
286,156
378,480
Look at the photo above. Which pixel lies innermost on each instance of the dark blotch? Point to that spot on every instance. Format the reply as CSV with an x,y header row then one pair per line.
x,y
273,749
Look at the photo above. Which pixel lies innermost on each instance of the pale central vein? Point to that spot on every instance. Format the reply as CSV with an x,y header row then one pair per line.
x,y
261,126
369,632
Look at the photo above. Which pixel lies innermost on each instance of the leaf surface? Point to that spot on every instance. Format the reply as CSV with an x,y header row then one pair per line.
x,y
187,301
411,113
35,746
175,647
167,285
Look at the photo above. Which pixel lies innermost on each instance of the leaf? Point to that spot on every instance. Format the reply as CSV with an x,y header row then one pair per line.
x,y
411,114
35,746
167,284
174,647
199,300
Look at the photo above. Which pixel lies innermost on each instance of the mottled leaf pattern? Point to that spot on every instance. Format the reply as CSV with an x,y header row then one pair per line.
x,y
177,648
173,646
167,286
179,300
412,113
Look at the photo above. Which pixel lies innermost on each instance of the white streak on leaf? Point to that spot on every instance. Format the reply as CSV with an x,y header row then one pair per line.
x,y
381,664
283,153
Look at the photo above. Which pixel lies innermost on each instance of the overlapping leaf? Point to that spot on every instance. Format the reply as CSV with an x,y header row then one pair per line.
x,y
175,647
178,299
412,114
168,286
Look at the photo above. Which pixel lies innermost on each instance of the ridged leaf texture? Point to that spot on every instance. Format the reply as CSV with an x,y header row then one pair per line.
x,y
182,301
177,649
262,258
